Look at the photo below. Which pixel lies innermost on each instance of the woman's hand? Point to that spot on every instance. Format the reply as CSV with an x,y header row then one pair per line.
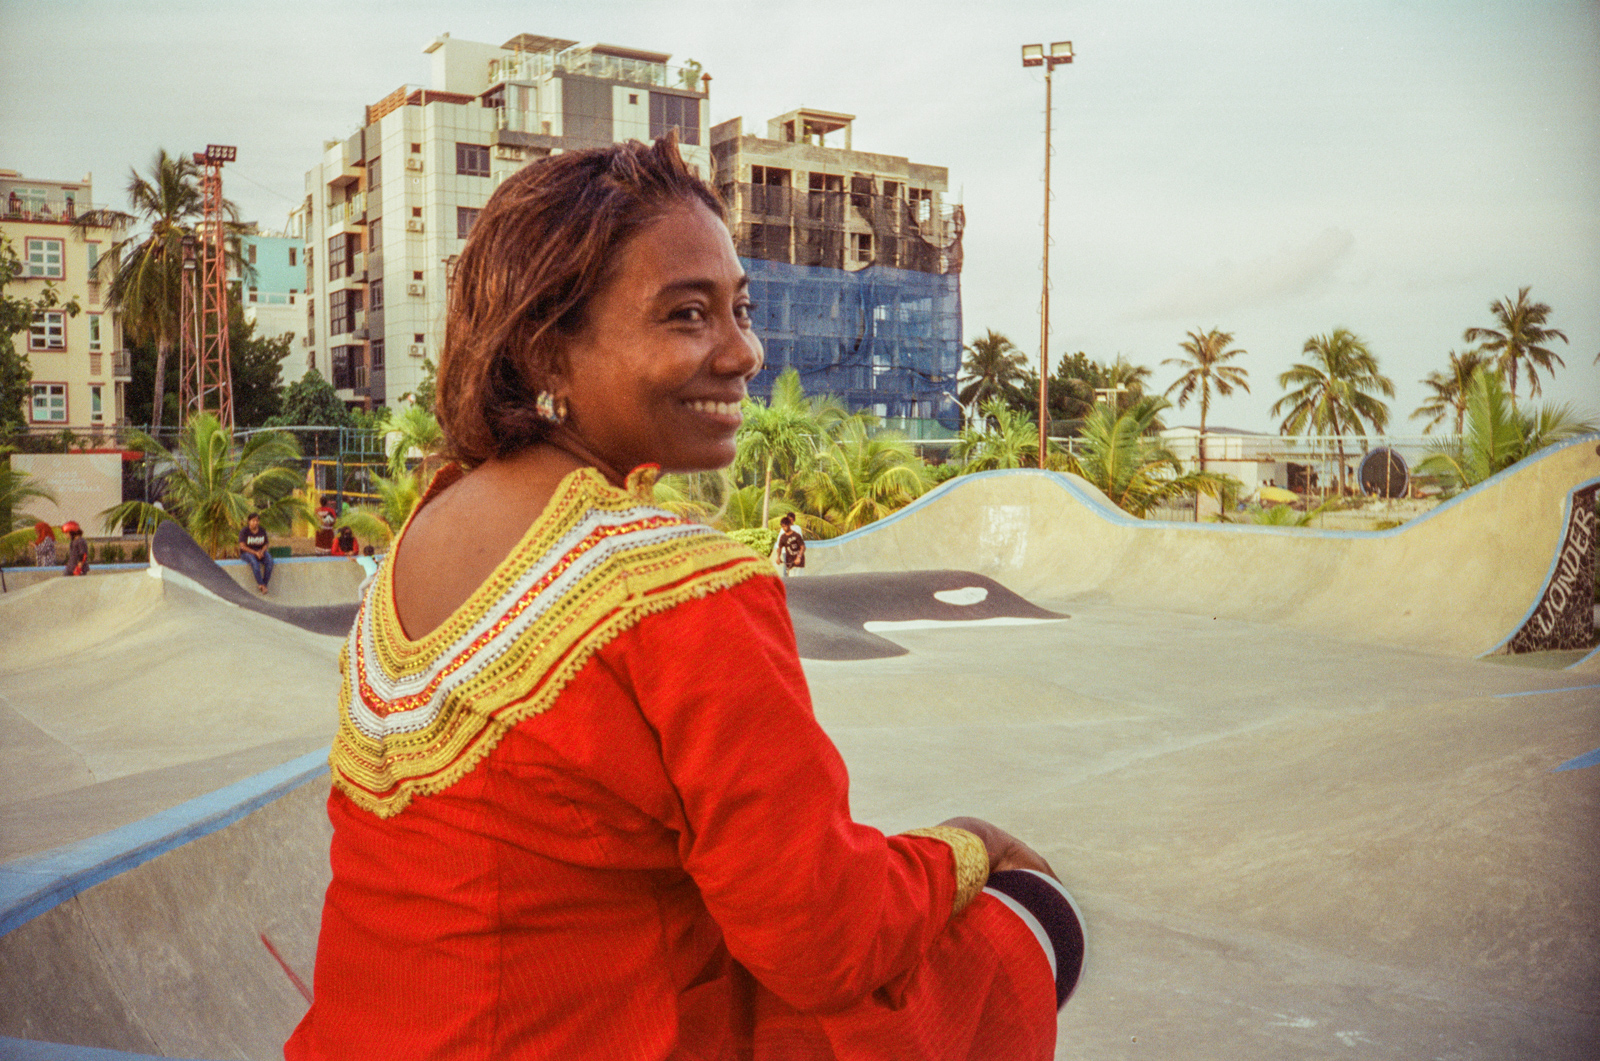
x,y
1005,850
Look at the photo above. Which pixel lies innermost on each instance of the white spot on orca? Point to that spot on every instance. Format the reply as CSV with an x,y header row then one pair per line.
x,y
966,595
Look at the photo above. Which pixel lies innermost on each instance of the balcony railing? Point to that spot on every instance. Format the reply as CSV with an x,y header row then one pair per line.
x,y
121,364
531,66
21,207
352,209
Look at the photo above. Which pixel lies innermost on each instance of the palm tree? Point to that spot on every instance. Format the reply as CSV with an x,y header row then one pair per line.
x,y
17,489
993,368
1449,390
1519,340
1496,435
1006,439
1132,467
1332,395
781,436
148,277
412,428
859,478
211,487
397,497
1206,368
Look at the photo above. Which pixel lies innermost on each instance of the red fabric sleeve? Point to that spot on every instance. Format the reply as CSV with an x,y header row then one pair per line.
x,y
820,909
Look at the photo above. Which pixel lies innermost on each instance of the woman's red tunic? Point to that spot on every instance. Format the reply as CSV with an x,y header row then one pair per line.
x,y
615,830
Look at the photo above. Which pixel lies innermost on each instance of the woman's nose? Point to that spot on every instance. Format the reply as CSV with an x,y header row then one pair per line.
x,y
739,352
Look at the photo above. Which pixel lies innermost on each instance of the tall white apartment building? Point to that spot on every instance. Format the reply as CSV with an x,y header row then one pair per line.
x,y
388,209
80,369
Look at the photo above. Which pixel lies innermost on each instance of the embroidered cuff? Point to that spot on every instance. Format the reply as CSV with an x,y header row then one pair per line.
x,y
972,860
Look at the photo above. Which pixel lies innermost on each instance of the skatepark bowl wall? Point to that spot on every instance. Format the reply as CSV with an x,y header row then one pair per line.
x,y
1302,819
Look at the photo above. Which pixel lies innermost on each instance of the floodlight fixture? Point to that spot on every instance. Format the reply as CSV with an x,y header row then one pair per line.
x,y
219,153
1033,55
1061,52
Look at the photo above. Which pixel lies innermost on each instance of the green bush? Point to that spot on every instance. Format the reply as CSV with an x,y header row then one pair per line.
x,y
760,539
111,553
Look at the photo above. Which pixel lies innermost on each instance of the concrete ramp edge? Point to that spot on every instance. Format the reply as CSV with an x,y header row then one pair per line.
x,y
34,885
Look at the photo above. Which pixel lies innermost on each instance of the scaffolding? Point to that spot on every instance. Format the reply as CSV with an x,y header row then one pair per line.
x,y
859,290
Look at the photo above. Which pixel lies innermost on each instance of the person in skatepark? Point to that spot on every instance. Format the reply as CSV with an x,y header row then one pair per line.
x,y
581,805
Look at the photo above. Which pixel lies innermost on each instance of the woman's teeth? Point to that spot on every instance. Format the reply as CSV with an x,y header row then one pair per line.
x,y
720,408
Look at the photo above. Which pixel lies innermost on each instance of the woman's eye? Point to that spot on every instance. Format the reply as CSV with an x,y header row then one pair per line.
x,y
743,311
692,314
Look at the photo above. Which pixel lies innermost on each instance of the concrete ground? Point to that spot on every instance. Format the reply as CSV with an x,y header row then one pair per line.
x,y
1287,843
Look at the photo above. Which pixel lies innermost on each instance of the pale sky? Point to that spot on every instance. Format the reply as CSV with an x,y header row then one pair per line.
x,y
1274,169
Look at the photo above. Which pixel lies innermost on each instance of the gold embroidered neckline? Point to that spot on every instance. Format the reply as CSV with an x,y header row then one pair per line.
x,y
580,484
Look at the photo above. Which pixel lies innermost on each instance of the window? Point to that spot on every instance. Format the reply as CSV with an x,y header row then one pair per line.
x,y
863,245
292,256
49,331
679,112
49,403
472,160
465,216
416,211
376,287
417,274
374,174
94,333
375,235
94,258
44,258
921,202
377,355
336,257
633,98
416,149
96,406
419,337
343,305
250,253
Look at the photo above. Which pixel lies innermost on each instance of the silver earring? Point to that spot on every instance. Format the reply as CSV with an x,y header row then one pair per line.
x,y
551,409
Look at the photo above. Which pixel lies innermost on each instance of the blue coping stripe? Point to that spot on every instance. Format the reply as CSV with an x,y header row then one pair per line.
x,y
1592,759
1541,692
35,884
34,1050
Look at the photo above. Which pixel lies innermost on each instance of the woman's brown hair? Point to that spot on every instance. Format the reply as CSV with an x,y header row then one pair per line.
x,y
543,248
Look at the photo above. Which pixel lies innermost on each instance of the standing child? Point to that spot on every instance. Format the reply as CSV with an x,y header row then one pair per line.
x,y
791,546
77,549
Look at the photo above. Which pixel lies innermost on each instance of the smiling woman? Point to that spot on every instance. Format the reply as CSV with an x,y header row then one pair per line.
x,y
581,805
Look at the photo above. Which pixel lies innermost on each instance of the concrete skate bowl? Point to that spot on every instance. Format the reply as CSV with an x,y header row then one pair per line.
x,y
1372,852
1482,573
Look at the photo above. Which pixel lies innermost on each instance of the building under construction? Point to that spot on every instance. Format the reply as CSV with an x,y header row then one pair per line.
x,y
855,265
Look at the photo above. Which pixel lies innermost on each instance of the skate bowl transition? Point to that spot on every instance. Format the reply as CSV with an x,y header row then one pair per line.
x,y
1320,794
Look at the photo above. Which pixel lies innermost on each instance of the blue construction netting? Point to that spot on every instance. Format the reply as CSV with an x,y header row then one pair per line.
x,y
884,340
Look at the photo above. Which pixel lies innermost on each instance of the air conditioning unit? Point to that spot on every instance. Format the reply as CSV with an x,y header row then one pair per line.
x,y
413,224
418,350
415,288
508,153
414,164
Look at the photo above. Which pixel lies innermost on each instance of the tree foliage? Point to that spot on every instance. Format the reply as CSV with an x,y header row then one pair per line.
x,y
1206,369
1519,340
993,368
1496,434
1133,467
1447,396
210,486
1333,395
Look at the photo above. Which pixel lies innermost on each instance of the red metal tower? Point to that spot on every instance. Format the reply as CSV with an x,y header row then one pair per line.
x,y
205,366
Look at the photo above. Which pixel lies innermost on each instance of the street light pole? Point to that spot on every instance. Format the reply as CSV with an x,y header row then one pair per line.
x,y
1034,55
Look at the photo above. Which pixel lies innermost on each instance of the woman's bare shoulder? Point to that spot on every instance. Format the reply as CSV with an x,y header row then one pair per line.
x,y
461,534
